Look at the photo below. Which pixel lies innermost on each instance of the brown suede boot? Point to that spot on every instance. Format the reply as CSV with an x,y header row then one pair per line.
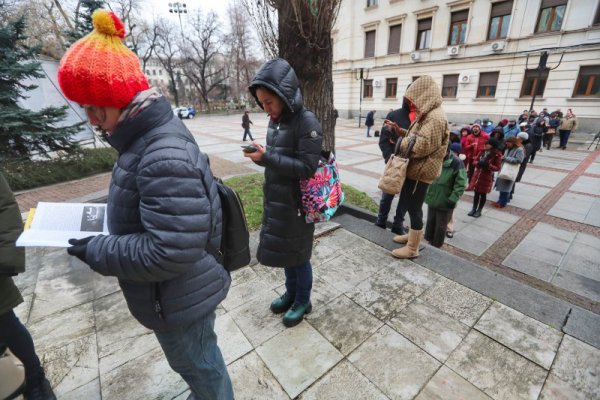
x,y
401,238
411,250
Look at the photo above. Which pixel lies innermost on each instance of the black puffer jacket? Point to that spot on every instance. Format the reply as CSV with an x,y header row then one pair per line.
x,y
162,206
387,138
293,152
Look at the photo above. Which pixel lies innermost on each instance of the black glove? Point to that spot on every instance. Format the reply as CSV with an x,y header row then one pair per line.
x,y
78,247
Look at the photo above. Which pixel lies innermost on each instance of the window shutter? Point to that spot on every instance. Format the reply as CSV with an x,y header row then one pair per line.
x,y
450,80
488,79
394,43
553,3
590,70
459,16
370,44
424,24
503,8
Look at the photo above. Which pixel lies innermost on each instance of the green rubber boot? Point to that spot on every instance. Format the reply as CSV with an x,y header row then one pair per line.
x,y
282,303
295,315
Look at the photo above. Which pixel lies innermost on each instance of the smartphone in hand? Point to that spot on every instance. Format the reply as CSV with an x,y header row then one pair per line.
x,y
250,148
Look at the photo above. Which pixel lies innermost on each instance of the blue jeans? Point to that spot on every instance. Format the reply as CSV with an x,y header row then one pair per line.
x,y
247,133
368,129
503,199
14,334
193,353
385,204
564,137
298,282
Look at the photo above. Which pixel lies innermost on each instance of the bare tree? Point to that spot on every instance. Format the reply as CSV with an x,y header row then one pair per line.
x,y
167,50
147,40
204,65
128,11
240,41
264,19
304,40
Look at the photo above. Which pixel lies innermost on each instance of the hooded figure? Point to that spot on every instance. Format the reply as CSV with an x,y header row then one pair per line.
x,y
292,153
428,135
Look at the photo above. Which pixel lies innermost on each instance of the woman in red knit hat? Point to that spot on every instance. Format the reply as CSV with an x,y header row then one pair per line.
x,y
163,208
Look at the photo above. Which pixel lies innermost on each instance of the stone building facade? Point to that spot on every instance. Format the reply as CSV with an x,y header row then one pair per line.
x,y
484,54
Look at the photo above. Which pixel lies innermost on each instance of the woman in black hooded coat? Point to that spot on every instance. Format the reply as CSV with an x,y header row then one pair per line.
x,y
292,153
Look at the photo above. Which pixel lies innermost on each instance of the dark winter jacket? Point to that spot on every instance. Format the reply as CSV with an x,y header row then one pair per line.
x,y
483,178
12,259
370,120
387,138
163,208
445,191
511,131
292,153
527,150
246,121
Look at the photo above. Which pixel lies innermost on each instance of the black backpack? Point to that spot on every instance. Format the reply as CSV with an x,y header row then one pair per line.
x,y
234,252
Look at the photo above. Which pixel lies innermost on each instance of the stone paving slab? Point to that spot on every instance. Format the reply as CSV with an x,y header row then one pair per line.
x,y
539,176
496,370
557,163
351,346
353,157
579,208
526,196
594,168
586,184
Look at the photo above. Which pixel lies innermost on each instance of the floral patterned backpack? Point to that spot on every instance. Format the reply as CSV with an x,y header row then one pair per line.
x,y
322,194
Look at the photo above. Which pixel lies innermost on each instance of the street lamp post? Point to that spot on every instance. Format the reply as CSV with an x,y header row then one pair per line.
x,y
360,75
178,8
540,69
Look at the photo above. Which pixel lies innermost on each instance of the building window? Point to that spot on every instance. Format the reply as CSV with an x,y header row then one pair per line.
x,y
424,34
531,79
588,82
153,72
487,84
414,78
371,3
499,20
551,16
450,85
458,27
369,44
391,87
394,41
368,88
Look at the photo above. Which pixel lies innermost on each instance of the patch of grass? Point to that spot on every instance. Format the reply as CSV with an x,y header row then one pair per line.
x,y
249,188
359,199
22,175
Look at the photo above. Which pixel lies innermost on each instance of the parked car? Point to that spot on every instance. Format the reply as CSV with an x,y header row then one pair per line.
x,y
185,112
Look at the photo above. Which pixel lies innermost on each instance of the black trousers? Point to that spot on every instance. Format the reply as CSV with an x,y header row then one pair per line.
x,y
437,223
479,201
14,334
413,196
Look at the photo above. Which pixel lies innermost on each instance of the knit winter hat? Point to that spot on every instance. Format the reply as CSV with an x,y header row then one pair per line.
x,y
523,135
99,69
456,148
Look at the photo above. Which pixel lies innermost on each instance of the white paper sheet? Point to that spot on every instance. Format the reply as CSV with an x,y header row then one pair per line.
x,y
54,224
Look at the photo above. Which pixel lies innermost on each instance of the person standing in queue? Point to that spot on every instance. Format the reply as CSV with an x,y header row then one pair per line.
x,y
428,136
292,153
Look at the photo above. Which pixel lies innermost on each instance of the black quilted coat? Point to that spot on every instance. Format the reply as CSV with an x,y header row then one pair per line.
x,y
163,206
293,152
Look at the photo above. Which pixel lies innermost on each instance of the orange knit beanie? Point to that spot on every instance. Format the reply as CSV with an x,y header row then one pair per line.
x,y
99,69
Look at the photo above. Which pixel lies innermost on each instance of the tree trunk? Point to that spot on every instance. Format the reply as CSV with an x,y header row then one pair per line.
x,y
312,65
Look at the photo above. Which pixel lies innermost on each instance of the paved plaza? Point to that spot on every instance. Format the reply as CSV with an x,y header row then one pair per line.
x,y
507,309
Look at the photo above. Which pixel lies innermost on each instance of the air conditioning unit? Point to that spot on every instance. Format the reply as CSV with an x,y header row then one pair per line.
x,y
464,78
377,83
453,50
415,56
497,46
